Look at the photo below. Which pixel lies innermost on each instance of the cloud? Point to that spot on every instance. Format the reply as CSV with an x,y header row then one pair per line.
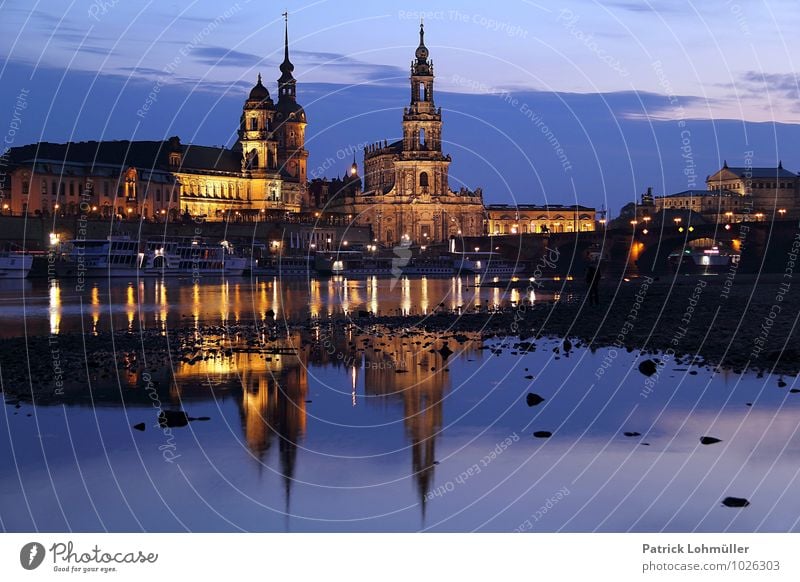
x,y
222,57
352,69
651,7
785,84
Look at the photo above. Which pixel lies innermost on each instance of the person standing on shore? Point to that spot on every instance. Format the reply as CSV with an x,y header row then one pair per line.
x,y
593,282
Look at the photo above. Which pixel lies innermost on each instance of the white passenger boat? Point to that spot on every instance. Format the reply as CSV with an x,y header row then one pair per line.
x,y
190,257
15,265
115,256
486,265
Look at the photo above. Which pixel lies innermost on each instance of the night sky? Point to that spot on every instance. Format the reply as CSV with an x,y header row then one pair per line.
x,y
607,82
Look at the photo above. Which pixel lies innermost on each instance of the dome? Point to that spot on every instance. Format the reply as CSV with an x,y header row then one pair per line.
x,y
259,92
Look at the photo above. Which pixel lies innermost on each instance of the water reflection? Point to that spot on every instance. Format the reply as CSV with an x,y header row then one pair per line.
x,y
272,379
336,426
161,304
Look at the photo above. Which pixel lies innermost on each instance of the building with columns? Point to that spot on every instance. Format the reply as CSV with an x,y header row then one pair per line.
x,y
406,195
735,194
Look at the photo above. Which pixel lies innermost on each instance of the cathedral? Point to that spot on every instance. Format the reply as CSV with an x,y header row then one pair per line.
x,y
406,196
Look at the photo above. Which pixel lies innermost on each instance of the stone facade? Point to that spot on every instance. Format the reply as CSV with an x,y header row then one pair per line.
x,y
406,195
736,194
504,219
264,172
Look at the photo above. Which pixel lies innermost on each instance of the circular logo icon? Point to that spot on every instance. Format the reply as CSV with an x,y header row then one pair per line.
x,y
31,555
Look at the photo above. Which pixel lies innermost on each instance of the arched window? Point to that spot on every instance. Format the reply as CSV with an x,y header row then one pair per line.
x,y
422,137
253,124
423,180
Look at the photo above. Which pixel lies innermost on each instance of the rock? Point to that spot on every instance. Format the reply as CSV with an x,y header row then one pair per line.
x,y
172,418
794,390
140,426
533,399
529,377
445,351
735,502
781,384
632,434
707,440
648,367
567,345
542,434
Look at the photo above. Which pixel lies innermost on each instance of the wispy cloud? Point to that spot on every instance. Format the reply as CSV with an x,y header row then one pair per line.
x,y
222,57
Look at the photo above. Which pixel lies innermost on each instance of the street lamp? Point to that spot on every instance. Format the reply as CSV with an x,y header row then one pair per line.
x,y
781,211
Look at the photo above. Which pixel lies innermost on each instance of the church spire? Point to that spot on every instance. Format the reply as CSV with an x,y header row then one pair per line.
x,y
422,50
287,82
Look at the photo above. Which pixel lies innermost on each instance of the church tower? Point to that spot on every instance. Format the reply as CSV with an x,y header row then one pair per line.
x,y
259,150
290,129
422,168
406,196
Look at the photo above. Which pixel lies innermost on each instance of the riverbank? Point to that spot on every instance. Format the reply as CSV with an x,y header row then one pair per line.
x,y
744,326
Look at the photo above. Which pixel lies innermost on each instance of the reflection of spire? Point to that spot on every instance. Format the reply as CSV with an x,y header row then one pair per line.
x,y
273,406
422,390
423,411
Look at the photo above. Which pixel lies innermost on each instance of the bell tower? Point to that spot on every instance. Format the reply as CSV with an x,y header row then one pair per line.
x,y
290,121
422,122
422,169
259,149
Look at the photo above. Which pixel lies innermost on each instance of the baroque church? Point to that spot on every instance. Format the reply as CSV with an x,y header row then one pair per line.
x,y
264,172
406,195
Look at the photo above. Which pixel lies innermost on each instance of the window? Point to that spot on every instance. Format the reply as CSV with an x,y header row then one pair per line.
x,y
423,179
62,188
72,188
158,195
25,186
253,124
105,188
44,187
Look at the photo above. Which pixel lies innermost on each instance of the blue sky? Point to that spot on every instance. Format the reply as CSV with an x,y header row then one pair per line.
x,y
611,79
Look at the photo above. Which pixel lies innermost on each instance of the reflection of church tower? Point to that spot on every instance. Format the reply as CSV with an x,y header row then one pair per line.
x,y
422,392
273,407
423,412
290,131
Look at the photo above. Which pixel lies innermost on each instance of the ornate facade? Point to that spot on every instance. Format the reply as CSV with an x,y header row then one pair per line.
x,y
406,194
530,218
264,172
737,194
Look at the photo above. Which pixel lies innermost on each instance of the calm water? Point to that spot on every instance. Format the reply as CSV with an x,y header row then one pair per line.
x,y
121,304
349,430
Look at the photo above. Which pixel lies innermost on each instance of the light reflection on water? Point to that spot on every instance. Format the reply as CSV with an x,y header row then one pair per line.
x,y
343,430
159,304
